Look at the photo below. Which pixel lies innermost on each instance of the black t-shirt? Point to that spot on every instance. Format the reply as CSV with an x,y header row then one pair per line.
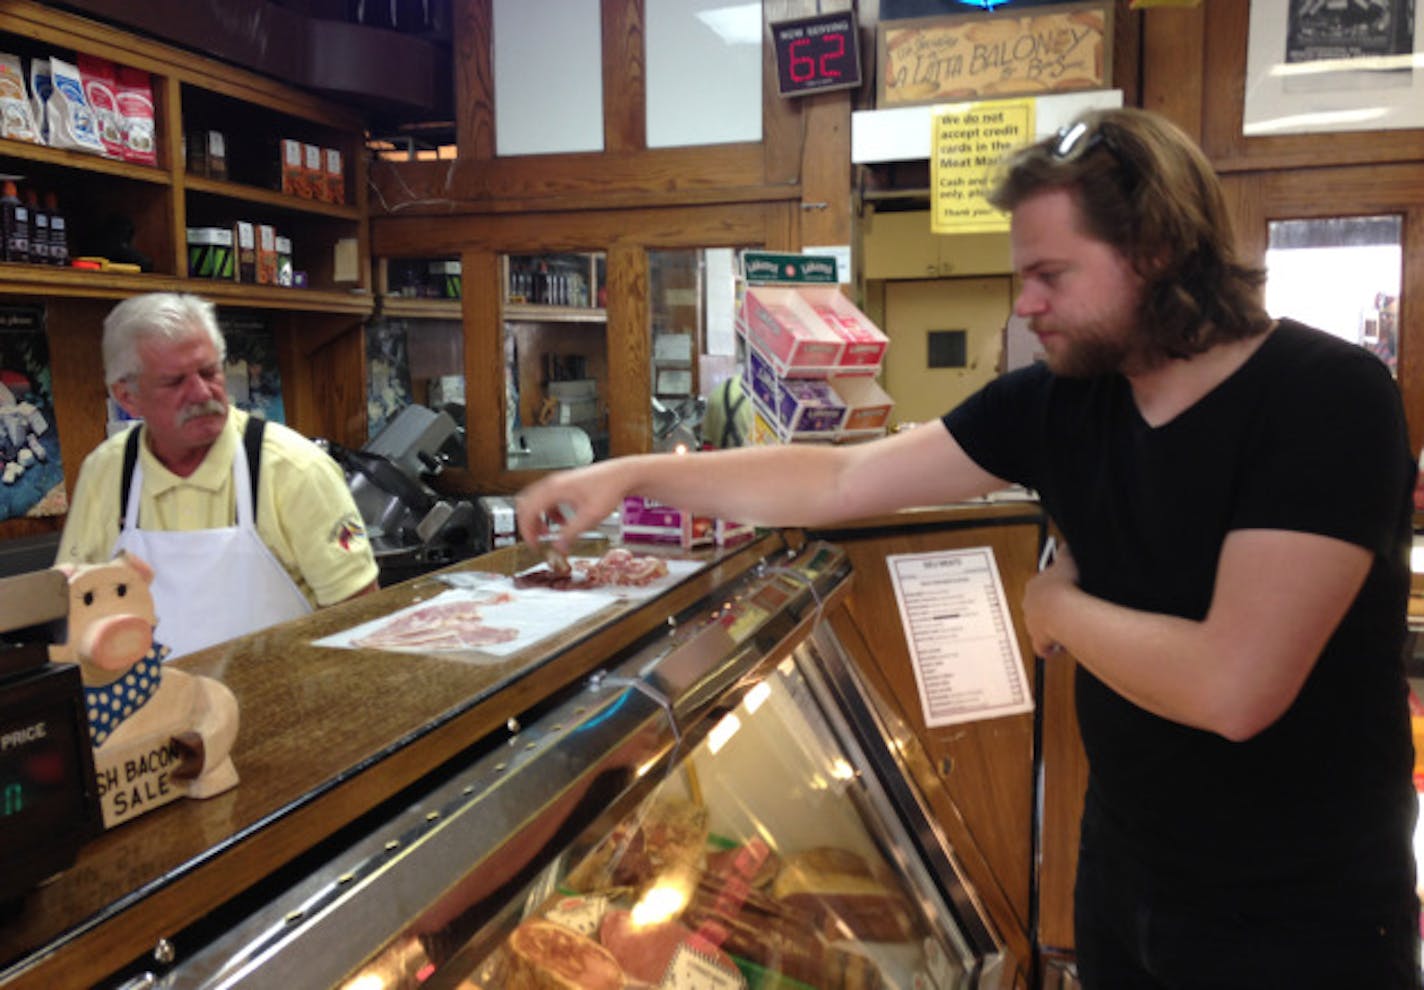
x,y
1308,435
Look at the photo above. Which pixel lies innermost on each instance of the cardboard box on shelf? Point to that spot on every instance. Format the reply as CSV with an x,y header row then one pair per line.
x,y
266,254
864,343
794,405
333,176
209,252
312,170
810,331
446,277
293,175
867,405
244,246
284,261
787,330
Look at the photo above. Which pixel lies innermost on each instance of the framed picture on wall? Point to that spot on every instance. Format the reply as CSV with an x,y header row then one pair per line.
x,y
1328,65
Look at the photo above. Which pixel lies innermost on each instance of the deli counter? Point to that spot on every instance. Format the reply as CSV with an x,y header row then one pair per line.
x,y
693,785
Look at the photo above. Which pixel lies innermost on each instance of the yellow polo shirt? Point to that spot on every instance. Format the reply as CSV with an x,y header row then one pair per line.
x,y
305,514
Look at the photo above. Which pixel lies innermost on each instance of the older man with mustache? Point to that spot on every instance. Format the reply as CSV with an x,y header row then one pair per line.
x,y
245,523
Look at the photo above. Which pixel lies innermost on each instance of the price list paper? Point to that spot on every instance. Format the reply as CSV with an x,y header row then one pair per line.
x,y
962,644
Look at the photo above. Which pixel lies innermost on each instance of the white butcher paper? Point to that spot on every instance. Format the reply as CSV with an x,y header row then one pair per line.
x,y
536,613
963,648
678,570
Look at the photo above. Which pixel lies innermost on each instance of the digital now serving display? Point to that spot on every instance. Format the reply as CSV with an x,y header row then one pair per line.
x,y
814,54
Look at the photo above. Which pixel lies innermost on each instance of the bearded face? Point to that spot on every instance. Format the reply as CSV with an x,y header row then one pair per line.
x,y
1080,296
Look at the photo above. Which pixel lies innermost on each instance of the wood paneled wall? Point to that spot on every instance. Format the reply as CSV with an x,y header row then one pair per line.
x,y
1194,71
789,189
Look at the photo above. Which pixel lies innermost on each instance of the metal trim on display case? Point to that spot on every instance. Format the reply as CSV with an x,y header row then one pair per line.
x,y
846,702
470,844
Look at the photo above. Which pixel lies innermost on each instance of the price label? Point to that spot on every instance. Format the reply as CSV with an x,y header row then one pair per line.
x,y
691,970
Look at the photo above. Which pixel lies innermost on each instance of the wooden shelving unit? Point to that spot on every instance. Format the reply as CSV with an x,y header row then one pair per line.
x,y
318,327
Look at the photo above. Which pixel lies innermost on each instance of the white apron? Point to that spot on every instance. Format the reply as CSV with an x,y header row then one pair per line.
x,y
210,585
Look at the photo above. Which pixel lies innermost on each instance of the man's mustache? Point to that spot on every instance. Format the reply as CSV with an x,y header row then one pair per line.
x,y
212,407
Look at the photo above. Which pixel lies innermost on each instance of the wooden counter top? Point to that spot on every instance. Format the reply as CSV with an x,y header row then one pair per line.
x,y
325,736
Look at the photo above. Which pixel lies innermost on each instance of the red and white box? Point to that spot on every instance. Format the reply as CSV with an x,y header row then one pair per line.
x,y
266,254
785,328
864,343
333,177
294,176
312,171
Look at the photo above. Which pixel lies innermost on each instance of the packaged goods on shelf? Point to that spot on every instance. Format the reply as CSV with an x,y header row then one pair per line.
x,y
69,119
284,261
788,331
333,177
807,331
100,82
41,85
795,405
244,245
210,252
864,343
14,225
446,276
293,177
135,98
17,122
867,405
810,355
39,229
312,169
266,254
207,153
58,234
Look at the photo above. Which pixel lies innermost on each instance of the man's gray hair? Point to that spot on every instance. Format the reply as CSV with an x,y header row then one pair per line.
x,y
168,316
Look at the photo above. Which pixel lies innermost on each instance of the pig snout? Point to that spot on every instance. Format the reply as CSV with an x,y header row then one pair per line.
x,y
116,642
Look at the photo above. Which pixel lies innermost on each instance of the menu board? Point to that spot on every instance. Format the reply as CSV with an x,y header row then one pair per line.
x,y
961,637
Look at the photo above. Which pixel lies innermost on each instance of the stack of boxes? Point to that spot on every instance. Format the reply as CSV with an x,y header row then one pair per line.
x,y
311,172
245,252
811,355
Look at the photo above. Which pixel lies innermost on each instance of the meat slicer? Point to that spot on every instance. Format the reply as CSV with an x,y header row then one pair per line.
x,y
411,527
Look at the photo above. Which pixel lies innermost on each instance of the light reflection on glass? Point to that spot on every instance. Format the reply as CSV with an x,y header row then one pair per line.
x,y
722,733
756,696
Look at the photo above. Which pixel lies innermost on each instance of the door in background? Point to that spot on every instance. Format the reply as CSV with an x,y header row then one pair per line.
x,y
946,336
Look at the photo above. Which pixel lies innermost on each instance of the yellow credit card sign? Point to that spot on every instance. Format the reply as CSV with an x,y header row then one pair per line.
x,y
968,142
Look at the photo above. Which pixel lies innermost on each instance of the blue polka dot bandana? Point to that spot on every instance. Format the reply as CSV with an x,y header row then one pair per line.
x,y
111,704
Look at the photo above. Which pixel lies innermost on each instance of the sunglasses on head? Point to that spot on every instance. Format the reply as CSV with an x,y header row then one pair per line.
x,y
1076,140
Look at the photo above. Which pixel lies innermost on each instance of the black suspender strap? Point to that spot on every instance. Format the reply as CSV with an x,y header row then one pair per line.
x,y
251,443
731,432
126,478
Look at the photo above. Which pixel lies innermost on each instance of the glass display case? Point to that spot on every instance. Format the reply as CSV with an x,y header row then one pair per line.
x,y
556,359
722,805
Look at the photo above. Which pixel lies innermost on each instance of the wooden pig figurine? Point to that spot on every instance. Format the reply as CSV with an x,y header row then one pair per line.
x,y
159,734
